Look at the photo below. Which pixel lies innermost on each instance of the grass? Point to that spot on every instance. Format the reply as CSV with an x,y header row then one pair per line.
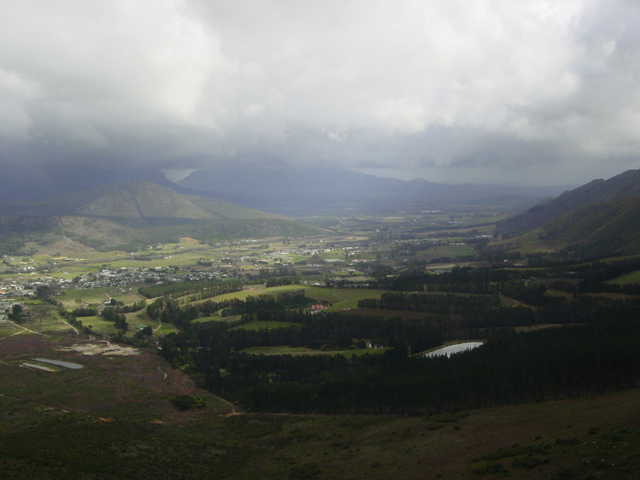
x,y
508,301
7,329
73,298
348,297
166,329
341,298
280,351
263,325
99,325
627,279
283,350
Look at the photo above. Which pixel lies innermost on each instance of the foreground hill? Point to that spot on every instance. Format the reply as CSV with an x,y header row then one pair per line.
x,y
114,419
599,191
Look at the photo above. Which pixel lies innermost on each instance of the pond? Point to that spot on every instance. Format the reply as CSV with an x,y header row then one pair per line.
x,y
38,367
451,349
60,363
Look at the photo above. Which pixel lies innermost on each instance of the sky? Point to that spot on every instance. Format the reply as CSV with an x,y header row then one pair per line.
x,y
515,91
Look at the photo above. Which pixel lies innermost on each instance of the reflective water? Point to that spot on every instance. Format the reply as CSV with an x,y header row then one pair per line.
x,y
60,363
38,367
451,349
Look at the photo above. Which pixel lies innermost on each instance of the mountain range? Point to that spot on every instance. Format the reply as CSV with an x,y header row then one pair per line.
x,y
287,191
300,192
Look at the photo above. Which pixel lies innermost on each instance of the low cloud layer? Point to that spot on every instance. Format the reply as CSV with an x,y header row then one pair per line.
x,y
487,91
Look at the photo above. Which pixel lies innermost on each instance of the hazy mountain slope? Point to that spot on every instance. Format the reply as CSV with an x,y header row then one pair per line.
x,y
66,233
285,190
606,226
598,191
142,202
128,215
227,210
282,190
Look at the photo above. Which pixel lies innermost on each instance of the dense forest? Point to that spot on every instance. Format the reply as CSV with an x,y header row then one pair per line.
x,y
379,369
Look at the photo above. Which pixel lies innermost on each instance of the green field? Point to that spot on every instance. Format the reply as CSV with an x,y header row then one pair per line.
x,y
260,325
308,351
99,325
629,278
340,298
72,298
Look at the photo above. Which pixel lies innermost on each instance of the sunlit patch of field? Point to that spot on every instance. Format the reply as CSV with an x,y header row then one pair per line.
x,y
294,351
8,328
99,325
188,241
508,301
348,297
340,298
627,279
264,325
74,298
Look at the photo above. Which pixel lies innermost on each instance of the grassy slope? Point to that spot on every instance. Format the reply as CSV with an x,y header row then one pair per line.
x,y
89,218
629,278
613,222
135,200
624,185
228,210
113,419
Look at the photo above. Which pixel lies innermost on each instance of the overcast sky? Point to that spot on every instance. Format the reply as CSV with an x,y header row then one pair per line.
x,y
513,91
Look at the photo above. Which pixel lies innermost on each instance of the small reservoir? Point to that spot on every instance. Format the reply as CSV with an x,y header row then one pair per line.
x,y
451,349
37,367
59,363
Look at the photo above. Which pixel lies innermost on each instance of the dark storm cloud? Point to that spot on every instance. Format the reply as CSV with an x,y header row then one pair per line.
x,y
536,91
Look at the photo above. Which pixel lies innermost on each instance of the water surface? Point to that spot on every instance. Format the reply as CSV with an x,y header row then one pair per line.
x,y
451,349
60,363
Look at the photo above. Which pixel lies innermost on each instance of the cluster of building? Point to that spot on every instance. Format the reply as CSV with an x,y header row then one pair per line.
x,y
125,277
122,278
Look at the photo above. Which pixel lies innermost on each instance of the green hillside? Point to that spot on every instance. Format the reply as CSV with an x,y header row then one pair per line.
x,y
600,191
614,226
128,215
137,202
228,210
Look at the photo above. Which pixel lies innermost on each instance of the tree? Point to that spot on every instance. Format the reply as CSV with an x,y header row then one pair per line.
x,y
44,292
16,313
186,402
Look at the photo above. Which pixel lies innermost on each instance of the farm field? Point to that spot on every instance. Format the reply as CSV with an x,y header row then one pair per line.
x,y
340,297
73,298
260,325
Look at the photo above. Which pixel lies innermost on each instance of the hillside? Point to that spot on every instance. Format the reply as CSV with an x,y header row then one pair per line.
x,y
127,215
605,227
600,191
114,419
142,203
